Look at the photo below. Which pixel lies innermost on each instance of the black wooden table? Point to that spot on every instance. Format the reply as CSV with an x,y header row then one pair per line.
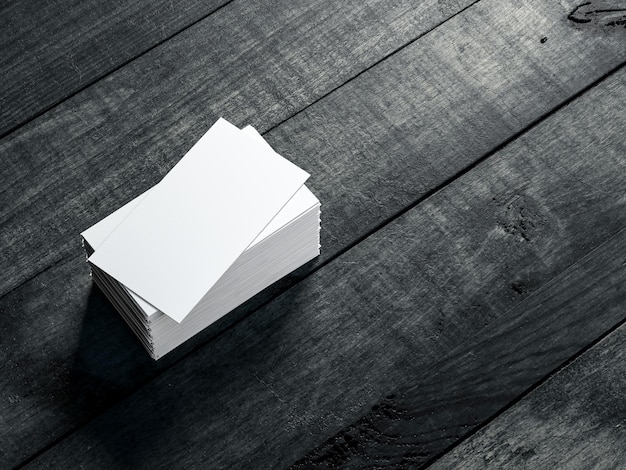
x,y
467,307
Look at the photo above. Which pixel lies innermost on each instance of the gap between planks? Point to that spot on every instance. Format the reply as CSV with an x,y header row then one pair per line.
x,y
480,448
55,102
550,376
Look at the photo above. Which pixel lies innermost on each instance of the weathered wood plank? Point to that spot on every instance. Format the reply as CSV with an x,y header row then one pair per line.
x,y
458,393
52,49
577,419
377,145
80,161
375,318
70,344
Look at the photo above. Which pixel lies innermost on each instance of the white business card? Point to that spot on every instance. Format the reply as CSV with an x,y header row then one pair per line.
x,y
189,229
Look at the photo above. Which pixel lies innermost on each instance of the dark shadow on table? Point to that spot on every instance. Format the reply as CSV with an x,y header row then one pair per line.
x,y
114,381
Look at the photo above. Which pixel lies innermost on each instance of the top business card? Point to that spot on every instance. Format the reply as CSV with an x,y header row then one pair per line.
x,y
190,228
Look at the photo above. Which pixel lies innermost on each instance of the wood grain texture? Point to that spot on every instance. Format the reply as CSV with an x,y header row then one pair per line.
x,y
72,166
375,146
576,420
374,319
52,49
456,394
52,197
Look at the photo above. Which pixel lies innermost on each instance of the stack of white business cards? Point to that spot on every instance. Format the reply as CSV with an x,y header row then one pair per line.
x,y
228,220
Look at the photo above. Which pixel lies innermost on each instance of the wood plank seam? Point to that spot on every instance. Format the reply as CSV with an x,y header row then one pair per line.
x,y
548,376
354,77
469,167
125,63
574,419
111,71
377,424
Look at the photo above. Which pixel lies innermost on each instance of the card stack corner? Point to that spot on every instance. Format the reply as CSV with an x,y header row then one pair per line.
x,y
230,219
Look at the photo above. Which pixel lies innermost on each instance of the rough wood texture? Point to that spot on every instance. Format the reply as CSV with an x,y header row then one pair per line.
x,y
576,420
83,159
375,146
455,395
375,318
52,49
61,362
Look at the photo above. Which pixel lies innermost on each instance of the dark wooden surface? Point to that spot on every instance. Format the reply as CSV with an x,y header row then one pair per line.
x,y
470,160
54,49
576,419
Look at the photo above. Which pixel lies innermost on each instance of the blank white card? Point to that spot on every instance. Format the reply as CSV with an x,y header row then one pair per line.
x,y
191,227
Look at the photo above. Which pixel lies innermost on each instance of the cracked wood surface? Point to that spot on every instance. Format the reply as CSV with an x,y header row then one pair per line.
x,y
377,146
